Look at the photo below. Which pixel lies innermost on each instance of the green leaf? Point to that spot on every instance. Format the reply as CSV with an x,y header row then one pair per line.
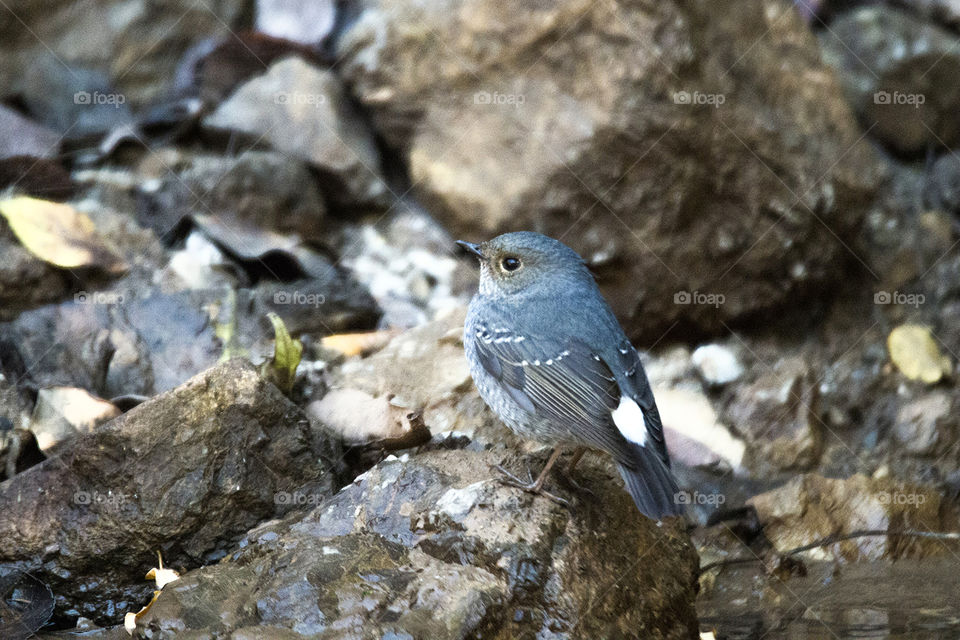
x,y
286,356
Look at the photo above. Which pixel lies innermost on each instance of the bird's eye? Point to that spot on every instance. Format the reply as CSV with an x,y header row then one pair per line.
x,y
510,263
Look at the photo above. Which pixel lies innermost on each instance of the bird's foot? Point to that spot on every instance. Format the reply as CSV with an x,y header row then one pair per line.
x,y
576,486
530,486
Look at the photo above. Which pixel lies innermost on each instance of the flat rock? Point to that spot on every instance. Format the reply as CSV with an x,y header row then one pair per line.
x,y
252,203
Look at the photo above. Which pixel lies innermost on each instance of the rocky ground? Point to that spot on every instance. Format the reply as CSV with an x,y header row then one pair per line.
x,y
766,191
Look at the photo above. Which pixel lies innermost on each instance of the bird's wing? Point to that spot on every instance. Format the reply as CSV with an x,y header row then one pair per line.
x,y
633,383
567,383
561,380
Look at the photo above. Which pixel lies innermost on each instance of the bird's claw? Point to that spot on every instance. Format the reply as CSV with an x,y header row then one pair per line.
x,y
529,486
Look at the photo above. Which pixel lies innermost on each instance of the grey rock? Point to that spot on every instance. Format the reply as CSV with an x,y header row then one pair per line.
x,y
137,44
778,416
23,137
634,127
187,472
252,204
304,111
380,560
899,73
923,424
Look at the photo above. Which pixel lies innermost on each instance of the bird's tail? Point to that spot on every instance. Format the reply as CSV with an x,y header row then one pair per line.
x,y
650,483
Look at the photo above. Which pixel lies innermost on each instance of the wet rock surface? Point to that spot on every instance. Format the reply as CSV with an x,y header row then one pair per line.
x,y
217,449
434,546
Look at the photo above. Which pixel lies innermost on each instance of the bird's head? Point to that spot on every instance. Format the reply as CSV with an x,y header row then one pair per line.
x,y
525,262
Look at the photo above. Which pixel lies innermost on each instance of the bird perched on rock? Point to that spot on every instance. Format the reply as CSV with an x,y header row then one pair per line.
x,y
551,360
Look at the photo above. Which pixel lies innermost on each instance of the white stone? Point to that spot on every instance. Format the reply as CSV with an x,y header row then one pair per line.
x,y
717,364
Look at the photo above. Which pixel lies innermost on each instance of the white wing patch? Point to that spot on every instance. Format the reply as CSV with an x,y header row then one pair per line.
x,y
628,416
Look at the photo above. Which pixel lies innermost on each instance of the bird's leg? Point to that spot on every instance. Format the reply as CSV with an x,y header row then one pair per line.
x,y
575,459
568,476
536,486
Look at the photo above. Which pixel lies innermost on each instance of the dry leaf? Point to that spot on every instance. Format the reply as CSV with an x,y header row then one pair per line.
x,y
163,577
58,234
355,344
915,352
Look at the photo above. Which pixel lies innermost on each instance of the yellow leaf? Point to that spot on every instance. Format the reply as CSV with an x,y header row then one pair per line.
x,y
915,352
58,234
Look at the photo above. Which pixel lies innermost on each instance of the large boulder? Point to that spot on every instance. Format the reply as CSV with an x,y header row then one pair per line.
x,y
700,156
435,547
186,473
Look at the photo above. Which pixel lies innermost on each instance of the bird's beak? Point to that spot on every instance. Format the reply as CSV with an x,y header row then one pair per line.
x,y
472,248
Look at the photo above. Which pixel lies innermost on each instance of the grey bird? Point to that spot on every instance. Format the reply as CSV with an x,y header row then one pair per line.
x,y
551,360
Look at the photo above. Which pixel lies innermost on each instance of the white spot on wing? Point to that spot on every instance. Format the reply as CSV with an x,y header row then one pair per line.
x,y
628,416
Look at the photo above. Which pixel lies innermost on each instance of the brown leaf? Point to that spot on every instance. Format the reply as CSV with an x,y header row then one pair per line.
x,y
58,234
